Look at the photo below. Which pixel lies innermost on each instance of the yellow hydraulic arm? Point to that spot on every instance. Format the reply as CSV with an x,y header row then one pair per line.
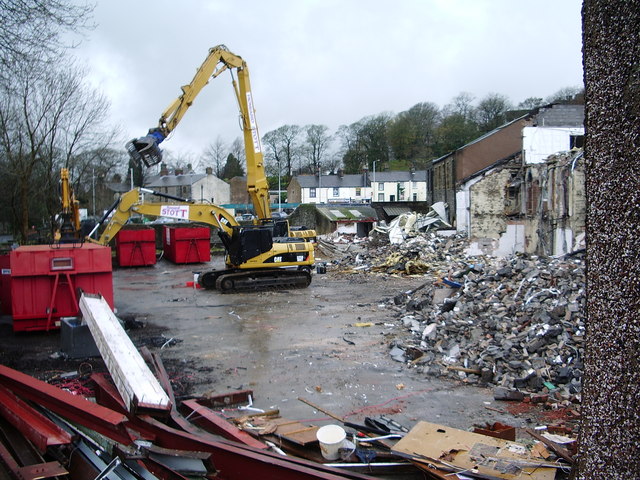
x,y
265,256
218,60
133,202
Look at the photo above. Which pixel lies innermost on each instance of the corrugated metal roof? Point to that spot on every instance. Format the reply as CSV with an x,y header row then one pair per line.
x,y
348,213
394,211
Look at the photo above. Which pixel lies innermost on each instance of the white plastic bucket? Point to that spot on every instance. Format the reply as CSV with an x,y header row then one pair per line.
x,y
331,438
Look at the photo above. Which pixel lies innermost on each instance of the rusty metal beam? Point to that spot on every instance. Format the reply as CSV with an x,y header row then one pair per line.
x,y
226,399
239,462
107,395
212,422
41,431
65,404
30,472
161,471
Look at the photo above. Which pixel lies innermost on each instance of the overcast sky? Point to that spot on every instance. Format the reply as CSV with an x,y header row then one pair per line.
x,y
328,62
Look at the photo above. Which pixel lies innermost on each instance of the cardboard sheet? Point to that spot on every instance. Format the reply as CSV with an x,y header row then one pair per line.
x,y
451,448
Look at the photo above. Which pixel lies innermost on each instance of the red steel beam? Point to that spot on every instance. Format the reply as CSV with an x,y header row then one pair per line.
x,y
75,408
239,462
41,431
30,472
107,395
226,399
212,422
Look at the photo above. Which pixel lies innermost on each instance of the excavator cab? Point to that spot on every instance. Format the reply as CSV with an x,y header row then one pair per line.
x,y
145,149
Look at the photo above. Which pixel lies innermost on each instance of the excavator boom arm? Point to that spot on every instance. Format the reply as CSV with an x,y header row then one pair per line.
x,y
133,202
218,60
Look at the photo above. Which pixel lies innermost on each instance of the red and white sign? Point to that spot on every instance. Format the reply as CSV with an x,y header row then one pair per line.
x,y
180,212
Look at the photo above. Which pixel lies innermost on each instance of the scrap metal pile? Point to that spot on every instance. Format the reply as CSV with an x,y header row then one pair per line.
x,y
509,322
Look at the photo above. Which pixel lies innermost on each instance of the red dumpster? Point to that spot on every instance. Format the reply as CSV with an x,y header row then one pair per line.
x,y
5,284
136,247
45,281
186,244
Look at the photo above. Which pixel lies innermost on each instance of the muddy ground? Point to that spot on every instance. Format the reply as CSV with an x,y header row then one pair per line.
x,y
282,345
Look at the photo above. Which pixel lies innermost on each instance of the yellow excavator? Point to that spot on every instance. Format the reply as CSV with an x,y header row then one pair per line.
x,y
264,255
68,225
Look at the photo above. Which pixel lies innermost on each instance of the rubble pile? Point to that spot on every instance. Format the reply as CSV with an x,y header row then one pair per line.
x,y
516,323
420,253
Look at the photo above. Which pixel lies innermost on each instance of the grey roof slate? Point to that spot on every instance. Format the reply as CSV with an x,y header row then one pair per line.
x,y
400,176
173,180
348,213
311,181
358,180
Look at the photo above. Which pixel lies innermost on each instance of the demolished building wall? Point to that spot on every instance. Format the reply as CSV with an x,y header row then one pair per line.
x,y
493,230
538,209
556,205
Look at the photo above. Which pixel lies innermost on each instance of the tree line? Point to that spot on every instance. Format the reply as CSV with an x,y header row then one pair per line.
x,y
409,139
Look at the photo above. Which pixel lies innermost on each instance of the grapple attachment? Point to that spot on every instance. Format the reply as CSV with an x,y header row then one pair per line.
x,y
145,150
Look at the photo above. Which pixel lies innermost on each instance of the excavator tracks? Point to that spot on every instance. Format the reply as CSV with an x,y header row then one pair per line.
x,y
236,281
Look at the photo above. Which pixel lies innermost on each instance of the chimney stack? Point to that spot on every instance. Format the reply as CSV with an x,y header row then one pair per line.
x,y
209,171
164,171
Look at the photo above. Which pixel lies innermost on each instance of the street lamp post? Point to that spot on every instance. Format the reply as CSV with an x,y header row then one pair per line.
x,y
279,191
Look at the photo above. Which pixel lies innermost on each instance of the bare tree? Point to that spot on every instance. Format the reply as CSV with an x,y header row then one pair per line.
x,y
491,111
530,103
316,146
37,30
47,118
610,430
216,154
283,146
565,94
461,105
237,150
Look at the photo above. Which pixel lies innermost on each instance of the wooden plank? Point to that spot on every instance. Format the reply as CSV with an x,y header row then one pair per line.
x,y
137,386
295,431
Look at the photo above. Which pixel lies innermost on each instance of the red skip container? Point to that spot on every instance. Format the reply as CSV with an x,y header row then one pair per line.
x,y
186,244
136,247
45,281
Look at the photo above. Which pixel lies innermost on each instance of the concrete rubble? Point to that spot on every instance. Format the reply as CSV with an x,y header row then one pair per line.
x,y
514,323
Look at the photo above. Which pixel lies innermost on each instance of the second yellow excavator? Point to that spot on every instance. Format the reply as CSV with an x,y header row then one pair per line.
x,y
264,255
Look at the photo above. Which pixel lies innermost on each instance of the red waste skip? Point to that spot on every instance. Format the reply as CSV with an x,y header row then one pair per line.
x,y
5,284
186,244
136,247
45,280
